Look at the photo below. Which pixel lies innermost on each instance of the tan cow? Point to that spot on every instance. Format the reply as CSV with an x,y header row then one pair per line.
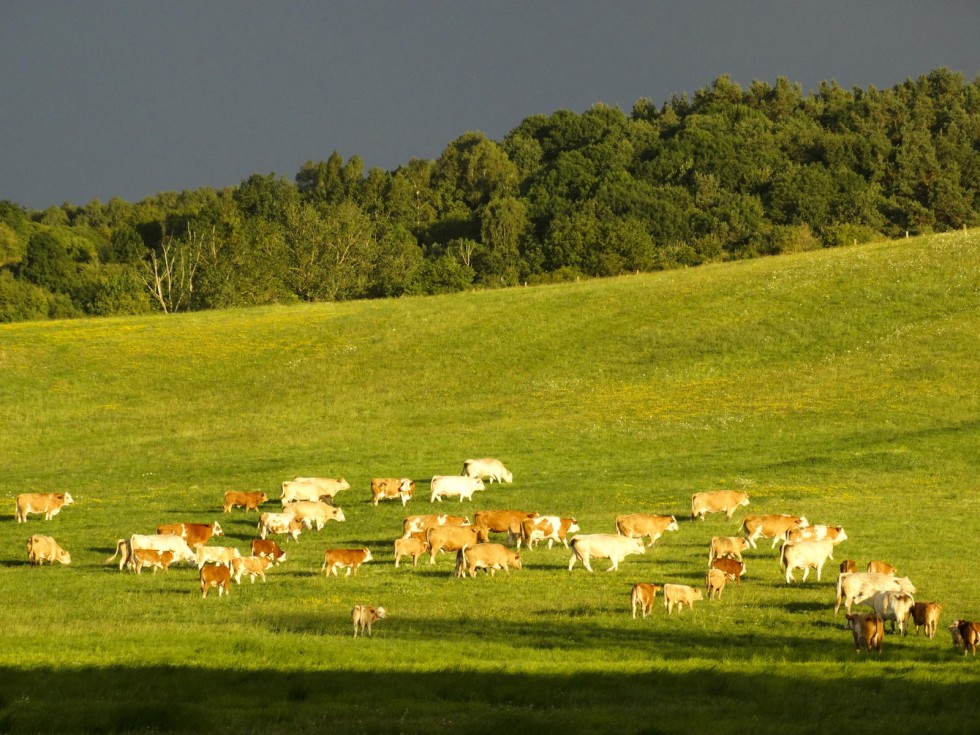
x,y
859,587
876,566
503,521
490,557
349,559
216,555
680,595
268,548
715,582
364,615
894,606
152,558
42,549
643,594
454,538
412,547
489,468
837,534
388,488
280,523
717,501
215,575
314,513
250,501
730,546
195,534
774,526
925,615
48,503
848,566
731,568
603,546
254,566
312,488
805,555
868,630
969,632
422,523
550,528
638,525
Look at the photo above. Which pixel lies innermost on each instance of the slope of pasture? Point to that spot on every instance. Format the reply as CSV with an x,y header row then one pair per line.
x,y
838,384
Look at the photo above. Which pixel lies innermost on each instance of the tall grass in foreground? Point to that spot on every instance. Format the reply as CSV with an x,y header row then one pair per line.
x,y
838,384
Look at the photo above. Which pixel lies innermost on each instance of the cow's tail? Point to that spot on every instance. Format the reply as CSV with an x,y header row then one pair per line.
x,y
120,549
782,558
619,527
840,592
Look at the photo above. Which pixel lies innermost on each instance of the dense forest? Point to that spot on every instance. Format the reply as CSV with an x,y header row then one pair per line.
x,y
728,173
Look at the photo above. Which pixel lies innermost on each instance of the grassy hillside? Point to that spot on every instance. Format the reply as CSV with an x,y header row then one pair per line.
x,y
840,384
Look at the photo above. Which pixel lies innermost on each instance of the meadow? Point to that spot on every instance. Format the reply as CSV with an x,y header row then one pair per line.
x,y
839,384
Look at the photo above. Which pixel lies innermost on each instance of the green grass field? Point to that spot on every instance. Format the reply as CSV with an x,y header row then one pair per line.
x,y
840,384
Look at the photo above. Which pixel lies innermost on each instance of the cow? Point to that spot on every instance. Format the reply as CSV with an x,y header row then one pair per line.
x,y
250,501
732,568
638,525
858,587
487,467
454,538
254,566
160,542
714,581
837,534
269,549
280,523
717,501
490,557
452,485
48,503
805,555
351,559
643,594
422,523
603,546
150,558
215,575
412,547
925,615
868,630
364,615
894,606
876,566
954,631
314,513
386,488
312,488
503,521
195,534
42,549
680,595
848,566
730,546
550,528
969,631
774,526
216,555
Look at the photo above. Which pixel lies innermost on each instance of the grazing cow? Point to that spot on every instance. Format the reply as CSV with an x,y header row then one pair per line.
x,y
894,606
250,501
412,547
150,558
364,615
730,546
350,559
868,630
160,542
603,546
550,528
774,526
314,513
280,523
969,631
502,521
194,534
387,488
215,575
312,488
452,485
48,503
268,548
490,557
925,615
876,566
837,534
42,549
216,555
715,580
254,566
488,467
805,555
859,587
422,523
717,501
638,525
848,566
680,595
732,568
454,538
643,594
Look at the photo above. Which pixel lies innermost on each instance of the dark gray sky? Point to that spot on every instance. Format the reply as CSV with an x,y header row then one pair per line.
x,y
130,98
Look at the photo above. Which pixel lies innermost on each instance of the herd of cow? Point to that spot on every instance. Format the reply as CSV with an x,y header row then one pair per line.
x,y
307,503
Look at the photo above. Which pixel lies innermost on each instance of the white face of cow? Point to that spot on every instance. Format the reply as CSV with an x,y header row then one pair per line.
x,y
216,529
673,525
340,515
69,499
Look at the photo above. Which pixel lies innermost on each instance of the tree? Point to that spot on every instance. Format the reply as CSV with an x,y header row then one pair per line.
x,y
47,263
169,271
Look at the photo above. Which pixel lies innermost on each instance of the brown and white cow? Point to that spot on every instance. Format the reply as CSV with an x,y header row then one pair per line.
x,y
550,528
489,468
680,595
894,606
364,615
422,523
388,488
848,566
643,594
837,534
312,488
254,566
250,500
503,521
454,538
773,525
638,525
48,503
151,558
969,632
859,587
194,534
925,615
805,555
454,486
714,581
489,557
314,513
268,548
215,575
413,547
42,549
216,555
876,566
732,568
868,631
730,546
280,523
609,546
349,559
717,501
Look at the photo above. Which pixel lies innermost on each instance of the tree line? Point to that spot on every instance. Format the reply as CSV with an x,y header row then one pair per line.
x,y
724,174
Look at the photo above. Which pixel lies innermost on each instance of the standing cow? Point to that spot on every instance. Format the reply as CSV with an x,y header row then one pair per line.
x,y
454,485
487,467
48,503
603,546
718,501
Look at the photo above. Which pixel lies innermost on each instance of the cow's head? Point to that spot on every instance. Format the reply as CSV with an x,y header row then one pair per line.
x,y
339,515
216,529
68,499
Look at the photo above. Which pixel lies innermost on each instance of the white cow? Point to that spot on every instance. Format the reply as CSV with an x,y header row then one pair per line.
x,y
487,467
858,587
216,555
451,485
894,606
604,546
314,513
805,555
312,488
837,534
161,542
280,523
